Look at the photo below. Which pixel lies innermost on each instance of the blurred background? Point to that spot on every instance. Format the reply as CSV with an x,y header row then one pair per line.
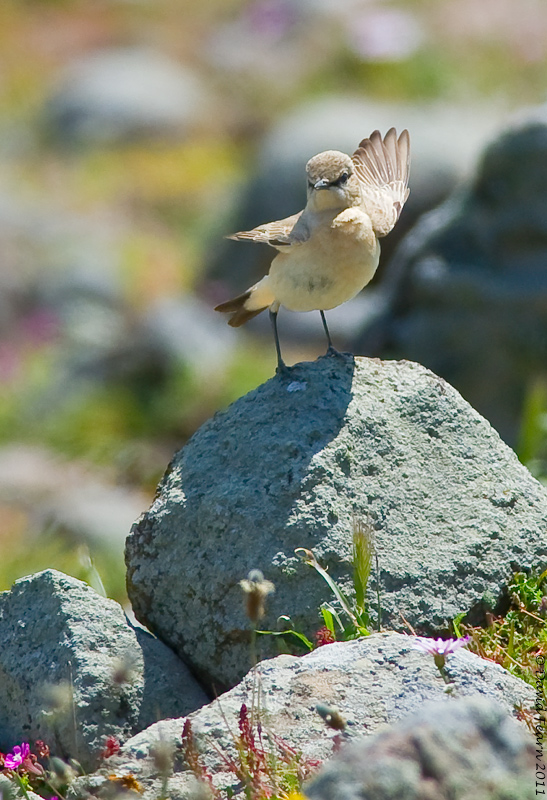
x,y
135,134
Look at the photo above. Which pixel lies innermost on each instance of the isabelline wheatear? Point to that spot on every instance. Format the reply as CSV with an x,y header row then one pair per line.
x,y
329,251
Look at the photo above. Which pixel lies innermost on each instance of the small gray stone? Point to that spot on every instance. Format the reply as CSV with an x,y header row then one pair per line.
x,y
454,513
10,790
120,94
73,670
465,750
372,682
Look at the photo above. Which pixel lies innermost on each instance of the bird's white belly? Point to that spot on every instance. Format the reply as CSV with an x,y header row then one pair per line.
x,y
319,276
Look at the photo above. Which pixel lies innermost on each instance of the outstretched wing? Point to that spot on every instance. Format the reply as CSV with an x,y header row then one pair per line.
x,y
278,234
382,166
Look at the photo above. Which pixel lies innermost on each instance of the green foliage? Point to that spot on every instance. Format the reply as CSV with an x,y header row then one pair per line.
x,y
264,765
515,639
345,617
349,617
528,590
532,444
289,635
100,568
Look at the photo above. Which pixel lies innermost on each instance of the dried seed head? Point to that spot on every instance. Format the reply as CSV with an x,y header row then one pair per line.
x,y
63,771
124,669
111,747
324,636
162,752
41,748
257,589
58,697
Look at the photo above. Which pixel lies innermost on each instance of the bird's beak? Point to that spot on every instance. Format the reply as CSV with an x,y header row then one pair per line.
x,y
322,184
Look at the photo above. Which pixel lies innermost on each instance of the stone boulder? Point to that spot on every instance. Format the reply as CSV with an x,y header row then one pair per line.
x,y
467,289
73,670
10,790
465,750
289,465
69,495
372,682
122,94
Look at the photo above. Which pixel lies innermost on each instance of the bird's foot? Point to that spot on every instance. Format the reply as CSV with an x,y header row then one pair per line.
x,y
283,370
332,351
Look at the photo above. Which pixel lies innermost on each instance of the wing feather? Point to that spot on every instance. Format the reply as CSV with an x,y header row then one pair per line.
x,y
277,234
382,166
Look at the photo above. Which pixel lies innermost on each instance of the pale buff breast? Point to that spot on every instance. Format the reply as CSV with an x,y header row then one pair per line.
x,y
329,269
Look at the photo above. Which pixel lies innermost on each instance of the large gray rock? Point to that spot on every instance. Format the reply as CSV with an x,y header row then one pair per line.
x,y
466,750
73,670
467,289
289,465
372,682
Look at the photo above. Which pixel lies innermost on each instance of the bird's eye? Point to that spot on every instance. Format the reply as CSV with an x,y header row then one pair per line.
x,y
343,178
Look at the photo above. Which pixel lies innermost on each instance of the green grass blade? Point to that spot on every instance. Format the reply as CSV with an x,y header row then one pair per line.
x,y
300,636
311,560
363,551
456,624
330,616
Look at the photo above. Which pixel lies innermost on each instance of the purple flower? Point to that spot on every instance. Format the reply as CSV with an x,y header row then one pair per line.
x,y
14,759
439,647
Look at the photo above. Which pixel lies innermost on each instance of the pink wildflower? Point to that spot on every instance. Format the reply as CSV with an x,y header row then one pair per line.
x,y
14,759
439,648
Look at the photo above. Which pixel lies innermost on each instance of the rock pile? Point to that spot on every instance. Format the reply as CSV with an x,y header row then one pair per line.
x,y
290,465
371,682
452,514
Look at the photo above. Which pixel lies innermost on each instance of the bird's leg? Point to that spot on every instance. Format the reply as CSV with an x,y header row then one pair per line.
x,y
331,348
281,366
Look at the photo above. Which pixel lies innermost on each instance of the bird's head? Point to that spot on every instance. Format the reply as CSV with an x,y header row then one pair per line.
x,y
332,183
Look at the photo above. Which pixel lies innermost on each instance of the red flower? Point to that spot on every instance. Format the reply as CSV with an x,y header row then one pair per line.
x,y
111,747
41,748
324,636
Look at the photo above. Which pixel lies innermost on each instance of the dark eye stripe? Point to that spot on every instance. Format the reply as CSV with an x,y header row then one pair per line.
x,y
341,180
344,177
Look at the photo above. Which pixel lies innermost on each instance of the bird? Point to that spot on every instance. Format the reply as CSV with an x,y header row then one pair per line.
x,y
330,250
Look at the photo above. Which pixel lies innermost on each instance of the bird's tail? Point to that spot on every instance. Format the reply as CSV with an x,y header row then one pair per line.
x,y
240,315
247,305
